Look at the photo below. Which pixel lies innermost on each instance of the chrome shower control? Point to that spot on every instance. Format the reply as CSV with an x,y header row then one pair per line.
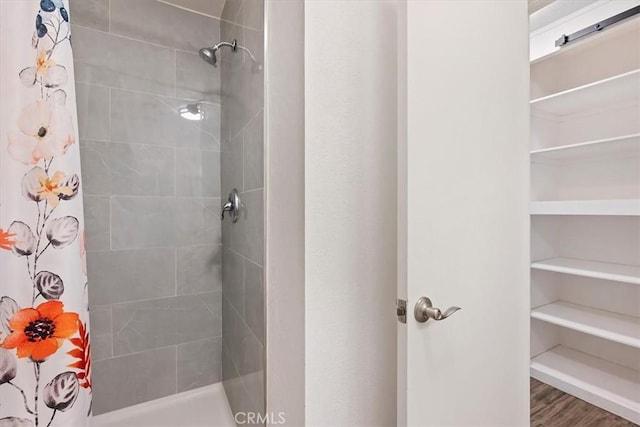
x,y
424,310
232,206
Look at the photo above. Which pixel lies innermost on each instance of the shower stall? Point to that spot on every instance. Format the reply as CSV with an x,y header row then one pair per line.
x,y
170,104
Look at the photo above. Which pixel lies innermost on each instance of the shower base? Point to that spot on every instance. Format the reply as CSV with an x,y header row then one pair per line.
x,y
202,407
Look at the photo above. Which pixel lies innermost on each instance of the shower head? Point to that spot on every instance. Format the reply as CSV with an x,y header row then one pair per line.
x,y
208,54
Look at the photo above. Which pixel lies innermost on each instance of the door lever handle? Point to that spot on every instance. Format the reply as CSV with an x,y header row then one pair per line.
x,y
424,310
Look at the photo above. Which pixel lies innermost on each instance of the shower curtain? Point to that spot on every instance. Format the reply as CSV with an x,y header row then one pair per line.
x,y
45,367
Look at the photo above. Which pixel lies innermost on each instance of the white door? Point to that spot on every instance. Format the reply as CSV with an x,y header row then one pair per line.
x,y
464,224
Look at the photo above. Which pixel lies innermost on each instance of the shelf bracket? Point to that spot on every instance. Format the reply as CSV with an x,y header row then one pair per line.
x,y
566,39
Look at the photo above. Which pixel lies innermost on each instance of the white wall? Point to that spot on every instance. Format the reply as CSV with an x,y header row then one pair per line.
x,y
284,212
350,173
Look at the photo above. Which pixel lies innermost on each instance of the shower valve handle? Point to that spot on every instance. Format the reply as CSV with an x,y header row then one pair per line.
x,y
232,206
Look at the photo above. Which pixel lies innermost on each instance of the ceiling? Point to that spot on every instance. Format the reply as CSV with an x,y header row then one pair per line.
x,y
536,5
206,7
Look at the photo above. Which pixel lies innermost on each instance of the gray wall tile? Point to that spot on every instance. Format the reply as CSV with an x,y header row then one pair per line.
x,y
251,358
254,385
242,167
211,125
231,10
160,221
231,31
234,388
136,378
196,79
166,321
199,363
90,13
231,166
254,298
97,222
253,14
247,237
233,278
238,338
235,111
254,41
224,122
242,80
149,119
93,111
129,88
231,330
131,275
101,336
109,60
199,269
243,363
254,154
228,369
251,83
128,169
209,7
169,25
198,173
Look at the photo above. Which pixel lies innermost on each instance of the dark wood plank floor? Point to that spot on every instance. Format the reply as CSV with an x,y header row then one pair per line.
x,y
551,407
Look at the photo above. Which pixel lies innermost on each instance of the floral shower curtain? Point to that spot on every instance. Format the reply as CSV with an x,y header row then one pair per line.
x,y
45,369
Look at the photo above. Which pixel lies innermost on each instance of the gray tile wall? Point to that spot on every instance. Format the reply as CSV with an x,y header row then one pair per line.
x,y
152,186
242,162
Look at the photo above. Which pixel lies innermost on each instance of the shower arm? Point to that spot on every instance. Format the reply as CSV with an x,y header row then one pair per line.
x,y
235,46
253,58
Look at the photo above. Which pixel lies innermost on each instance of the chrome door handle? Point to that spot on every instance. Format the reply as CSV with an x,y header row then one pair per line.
x,y
232,206
424,310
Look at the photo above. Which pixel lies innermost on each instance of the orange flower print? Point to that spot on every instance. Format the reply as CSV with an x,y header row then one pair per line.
x,y
46,72
51,188
6,242
40,332
43,63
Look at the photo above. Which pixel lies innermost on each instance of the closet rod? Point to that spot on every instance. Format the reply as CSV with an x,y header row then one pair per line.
x,y
564,39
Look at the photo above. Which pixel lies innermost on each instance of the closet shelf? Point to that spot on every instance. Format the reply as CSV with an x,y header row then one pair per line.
x,y
625,29
595,269
603,324
622,89
628,145
610,386
623,207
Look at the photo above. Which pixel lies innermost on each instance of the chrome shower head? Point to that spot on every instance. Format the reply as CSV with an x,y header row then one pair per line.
x,y
208,54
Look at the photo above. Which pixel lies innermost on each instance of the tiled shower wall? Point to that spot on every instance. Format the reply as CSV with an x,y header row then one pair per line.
x,y
152,188
243,242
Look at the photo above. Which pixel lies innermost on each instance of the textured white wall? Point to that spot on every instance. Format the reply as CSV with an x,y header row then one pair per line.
x,y
350,173
284,214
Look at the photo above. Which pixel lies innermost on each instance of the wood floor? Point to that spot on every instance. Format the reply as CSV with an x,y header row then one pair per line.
x,y
551,407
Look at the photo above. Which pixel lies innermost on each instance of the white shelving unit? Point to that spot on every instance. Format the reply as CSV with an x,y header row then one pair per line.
x,y
628,207
626,145
585,209
608,385
597,270
603,94
599,323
